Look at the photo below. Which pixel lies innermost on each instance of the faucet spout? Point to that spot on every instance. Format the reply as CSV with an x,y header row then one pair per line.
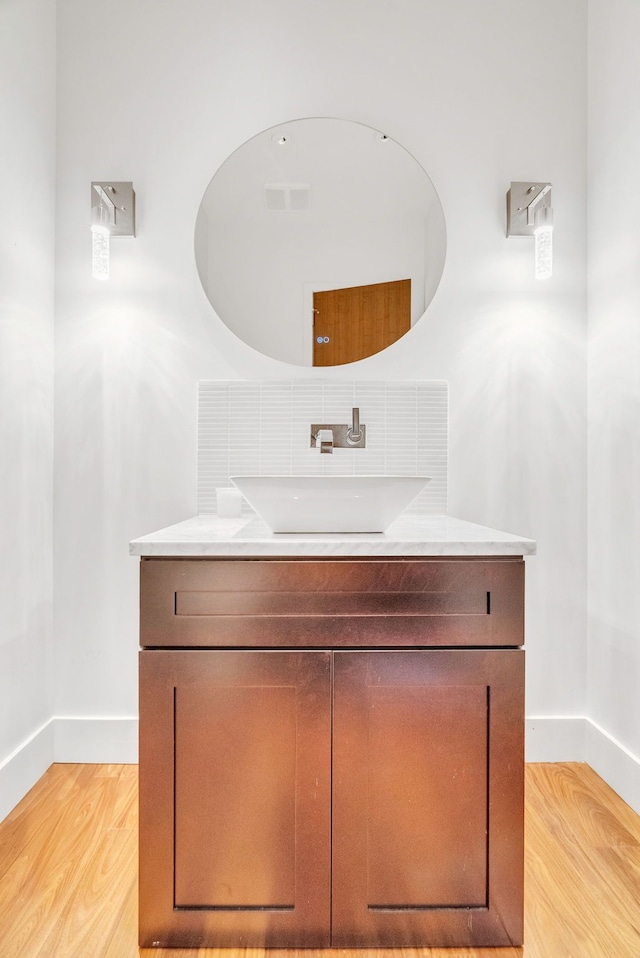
x,y
324,439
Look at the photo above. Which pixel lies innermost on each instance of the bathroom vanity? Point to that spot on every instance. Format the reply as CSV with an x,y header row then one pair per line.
x,y
331,736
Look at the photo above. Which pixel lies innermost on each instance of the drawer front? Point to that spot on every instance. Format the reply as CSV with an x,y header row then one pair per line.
x,y
317,603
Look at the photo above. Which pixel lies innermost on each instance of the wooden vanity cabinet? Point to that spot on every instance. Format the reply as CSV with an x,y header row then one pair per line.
x,y
331,752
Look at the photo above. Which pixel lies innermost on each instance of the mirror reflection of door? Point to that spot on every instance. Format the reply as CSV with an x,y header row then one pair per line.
x,y
356,322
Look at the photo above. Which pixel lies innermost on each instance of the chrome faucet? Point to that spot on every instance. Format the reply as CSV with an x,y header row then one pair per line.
x,y
330,436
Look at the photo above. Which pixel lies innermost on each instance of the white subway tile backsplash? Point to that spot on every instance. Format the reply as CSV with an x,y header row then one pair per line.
x,y
262,428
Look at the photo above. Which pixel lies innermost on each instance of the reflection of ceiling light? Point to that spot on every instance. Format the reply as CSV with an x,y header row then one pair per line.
x,y
287,196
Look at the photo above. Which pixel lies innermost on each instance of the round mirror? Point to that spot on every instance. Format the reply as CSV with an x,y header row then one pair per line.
x,y
320,242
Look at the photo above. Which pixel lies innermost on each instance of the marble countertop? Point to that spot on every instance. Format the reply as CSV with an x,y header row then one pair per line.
x,y
407,536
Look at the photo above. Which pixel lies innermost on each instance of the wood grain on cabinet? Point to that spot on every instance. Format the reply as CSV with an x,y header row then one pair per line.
x,y
428,798
235,804
331,752
352,602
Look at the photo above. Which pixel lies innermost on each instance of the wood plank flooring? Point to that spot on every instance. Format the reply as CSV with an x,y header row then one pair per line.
x,y
68,884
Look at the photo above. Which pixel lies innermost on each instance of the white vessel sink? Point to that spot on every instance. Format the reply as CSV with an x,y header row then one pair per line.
x,y
329,503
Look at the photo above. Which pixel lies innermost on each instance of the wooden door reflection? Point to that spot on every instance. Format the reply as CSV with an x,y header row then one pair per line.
x,y
358,321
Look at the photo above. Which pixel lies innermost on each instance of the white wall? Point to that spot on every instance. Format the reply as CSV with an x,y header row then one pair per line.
x,y
480,94
614,389
27,178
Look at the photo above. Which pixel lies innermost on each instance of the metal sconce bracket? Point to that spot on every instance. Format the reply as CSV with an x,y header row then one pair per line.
x,y
523,199
119,200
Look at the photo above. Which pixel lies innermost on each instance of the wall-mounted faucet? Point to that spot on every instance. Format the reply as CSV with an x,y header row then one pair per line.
x,y
330,436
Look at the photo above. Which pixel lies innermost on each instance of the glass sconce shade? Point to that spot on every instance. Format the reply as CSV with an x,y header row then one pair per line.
x,y
529,213
99,252
100,229
112,214
543,233
544,253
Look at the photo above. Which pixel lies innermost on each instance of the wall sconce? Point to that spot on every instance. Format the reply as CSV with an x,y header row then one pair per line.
x,y
113,213
529,213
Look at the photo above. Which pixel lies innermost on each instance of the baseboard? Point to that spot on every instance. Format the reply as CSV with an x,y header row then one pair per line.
x,y
65,739
96,740
576,738
555,738
619,767
24,766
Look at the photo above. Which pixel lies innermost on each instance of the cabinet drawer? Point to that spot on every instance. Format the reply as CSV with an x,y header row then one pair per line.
x,y
316,603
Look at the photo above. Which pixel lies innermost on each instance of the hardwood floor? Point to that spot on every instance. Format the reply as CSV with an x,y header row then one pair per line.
x,y
68,883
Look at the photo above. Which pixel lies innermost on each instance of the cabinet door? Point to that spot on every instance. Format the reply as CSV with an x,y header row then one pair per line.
x,y
235,755
428,798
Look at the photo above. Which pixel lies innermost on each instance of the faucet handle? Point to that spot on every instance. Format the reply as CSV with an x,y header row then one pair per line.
x,y
354,433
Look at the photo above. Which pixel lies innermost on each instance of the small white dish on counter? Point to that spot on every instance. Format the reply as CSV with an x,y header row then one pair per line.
x,y
329,503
